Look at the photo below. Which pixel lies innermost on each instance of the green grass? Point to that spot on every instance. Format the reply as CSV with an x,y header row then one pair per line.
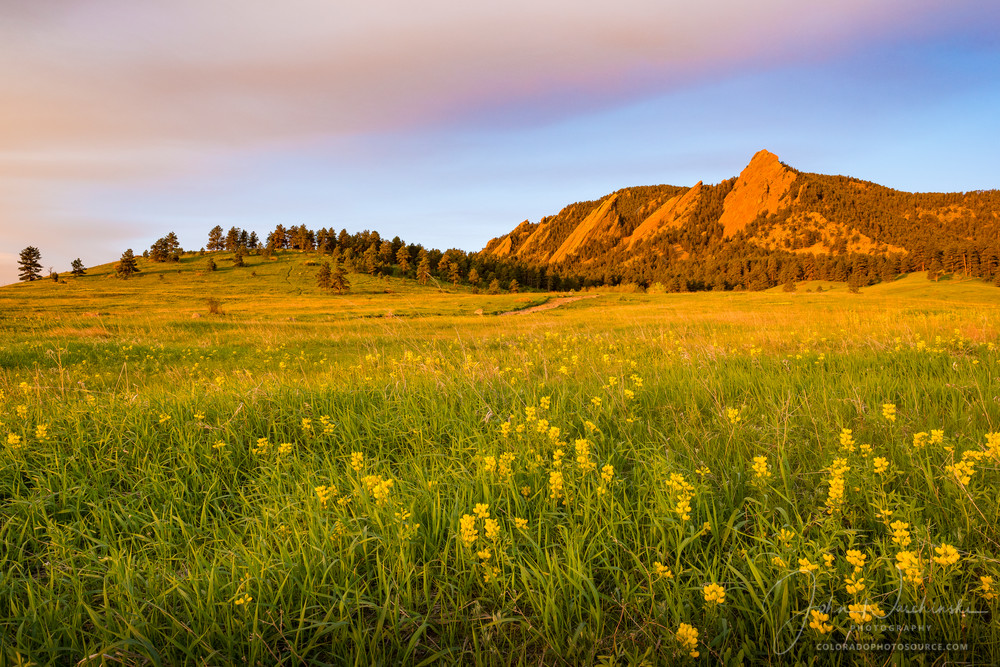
x,y
159,497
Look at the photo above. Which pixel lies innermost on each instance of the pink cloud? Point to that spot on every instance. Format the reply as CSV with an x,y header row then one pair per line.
x,y
114,72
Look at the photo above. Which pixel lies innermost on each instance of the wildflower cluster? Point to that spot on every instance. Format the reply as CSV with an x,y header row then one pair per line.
x,y
682,492
687,637
378,488
835,496
761,470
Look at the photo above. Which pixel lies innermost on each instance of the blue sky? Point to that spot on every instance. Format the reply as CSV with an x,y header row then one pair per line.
x,y
451,124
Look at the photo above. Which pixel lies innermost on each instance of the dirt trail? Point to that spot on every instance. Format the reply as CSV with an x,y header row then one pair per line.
x,y
549,305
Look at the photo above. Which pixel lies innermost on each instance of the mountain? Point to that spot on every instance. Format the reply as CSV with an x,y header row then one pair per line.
x,y
771,224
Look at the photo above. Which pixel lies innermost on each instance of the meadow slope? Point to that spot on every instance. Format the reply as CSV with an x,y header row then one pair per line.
x,y
390,476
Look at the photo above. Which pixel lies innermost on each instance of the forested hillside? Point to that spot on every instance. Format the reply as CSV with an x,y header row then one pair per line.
x,y
770,225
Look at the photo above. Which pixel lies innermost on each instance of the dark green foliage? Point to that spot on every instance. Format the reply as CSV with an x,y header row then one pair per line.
x,y
215,240
424,271
166,249
403,260
78,268
338,279
211,265
323,276
29,264
127,265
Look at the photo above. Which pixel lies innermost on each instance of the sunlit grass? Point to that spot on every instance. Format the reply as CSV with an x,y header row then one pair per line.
x,y
625,478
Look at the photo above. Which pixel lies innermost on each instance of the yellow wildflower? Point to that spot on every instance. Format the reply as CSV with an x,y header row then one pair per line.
x,y
901,533
854,584
963,470
889,411
908,563
482,510
863,613
819,622
583,455
555,484
520,523
662,571
760,467
714,594
986,588
492,529
856,558
880,464
687,637
946,555
324,493
468,529
846,440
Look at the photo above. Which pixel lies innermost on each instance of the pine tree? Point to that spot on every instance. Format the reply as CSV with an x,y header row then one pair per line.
x,y
454,274
514,287
30,267
239,255
232,238
424,271
211,265
369,260
77,266
338,279
854,283
215,241
385,254
166,249
126,266
323,277
403,259
494,287
473,277
789,286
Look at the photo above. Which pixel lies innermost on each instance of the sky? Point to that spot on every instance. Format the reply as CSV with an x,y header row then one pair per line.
x,y
448,123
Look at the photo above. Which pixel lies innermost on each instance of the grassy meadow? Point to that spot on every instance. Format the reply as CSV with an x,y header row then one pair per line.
x,y
398,475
